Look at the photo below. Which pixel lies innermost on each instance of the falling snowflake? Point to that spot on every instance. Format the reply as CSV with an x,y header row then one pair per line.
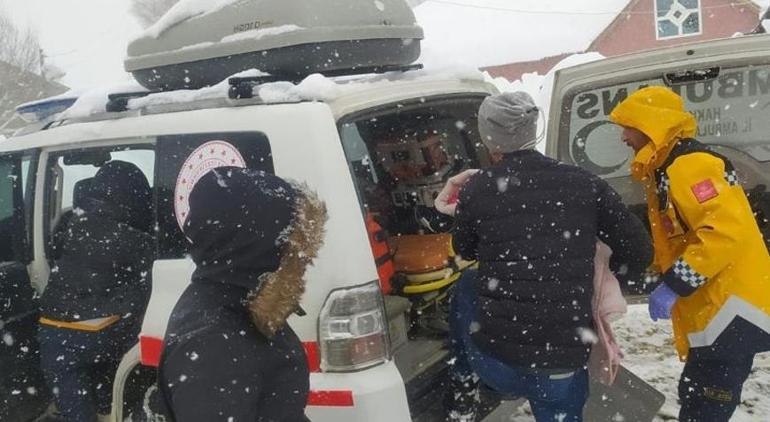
x,y
587,335
493,284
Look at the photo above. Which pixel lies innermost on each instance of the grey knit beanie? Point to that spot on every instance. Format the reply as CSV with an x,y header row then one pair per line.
x,y
508,122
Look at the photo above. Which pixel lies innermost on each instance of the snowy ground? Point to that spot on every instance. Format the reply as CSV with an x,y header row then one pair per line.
x,y
650,354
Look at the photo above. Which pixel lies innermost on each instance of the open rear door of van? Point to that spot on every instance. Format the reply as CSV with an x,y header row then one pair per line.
x,y
725,84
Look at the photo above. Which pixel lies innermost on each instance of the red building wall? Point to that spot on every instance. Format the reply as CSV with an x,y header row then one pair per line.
x,y
635,29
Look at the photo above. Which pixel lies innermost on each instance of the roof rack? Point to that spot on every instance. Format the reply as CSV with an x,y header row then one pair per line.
x,y
119,102
243,87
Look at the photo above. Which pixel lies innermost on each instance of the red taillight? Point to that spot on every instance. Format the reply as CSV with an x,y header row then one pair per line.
x,y
353,329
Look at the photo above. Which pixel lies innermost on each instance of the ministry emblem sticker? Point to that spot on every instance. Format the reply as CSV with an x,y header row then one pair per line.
x,y
210,155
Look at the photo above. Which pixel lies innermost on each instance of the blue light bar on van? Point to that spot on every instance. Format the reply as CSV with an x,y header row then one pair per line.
x,y
41,110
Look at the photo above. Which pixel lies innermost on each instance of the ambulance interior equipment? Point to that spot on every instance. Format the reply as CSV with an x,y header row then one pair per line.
x,y
401,158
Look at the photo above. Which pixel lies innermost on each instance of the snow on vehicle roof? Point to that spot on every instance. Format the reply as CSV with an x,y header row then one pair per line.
x,y
183,11
315,87
494,32
763,5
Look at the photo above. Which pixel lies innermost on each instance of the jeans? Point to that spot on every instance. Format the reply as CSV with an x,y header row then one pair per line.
x,y
553,397
80,366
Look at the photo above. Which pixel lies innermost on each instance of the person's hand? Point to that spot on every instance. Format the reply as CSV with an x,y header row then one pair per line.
x,y
662,300
446,201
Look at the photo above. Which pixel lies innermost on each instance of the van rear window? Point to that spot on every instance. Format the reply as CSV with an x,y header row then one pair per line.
x,y
730,104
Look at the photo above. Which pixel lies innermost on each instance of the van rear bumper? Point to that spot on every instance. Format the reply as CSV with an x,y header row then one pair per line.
x,y
372,395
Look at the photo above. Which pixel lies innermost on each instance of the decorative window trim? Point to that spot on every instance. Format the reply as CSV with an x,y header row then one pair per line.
x,y
658,19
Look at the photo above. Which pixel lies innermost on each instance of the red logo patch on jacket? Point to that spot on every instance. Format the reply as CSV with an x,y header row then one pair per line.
x,y
704,191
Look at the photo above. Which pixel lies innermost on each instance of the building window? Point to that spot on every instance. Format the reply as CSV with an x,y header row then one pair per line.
x,y
677,18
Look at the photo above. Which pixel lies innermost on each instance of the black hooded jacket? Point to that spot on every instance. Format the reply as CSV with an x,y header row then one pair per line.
x,y
532,223
215,364
103,252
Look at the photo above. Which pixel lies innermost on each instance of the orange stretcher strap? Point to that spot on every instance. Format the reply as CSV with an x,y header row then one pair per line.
x,y
91,325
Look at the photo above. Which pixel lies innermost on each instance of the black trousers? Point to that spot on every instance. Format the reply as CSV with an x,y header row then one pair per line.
x,y
712,380
80,367
710,389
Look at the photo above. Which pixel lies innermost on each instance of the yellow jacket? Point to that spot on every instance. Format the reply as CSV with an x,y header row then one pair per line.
x,y
708,246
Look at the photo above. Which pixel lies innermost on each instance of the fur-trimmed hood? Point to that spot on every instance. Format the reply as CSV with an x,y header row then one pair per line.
x,y
281,291
259,232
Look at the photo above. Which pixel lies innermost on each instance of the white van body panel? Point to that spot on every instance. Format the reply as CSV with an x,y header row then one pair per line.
x,y
379,396
746,50
405,90
175,275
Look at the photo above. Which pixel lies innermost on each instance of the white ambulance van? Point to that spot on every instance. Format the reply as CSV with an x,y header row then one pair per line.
x,y
363,118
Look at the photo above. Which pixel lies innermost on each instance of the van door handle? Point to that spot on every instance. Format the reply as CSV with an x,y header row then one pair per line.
x,y
682,77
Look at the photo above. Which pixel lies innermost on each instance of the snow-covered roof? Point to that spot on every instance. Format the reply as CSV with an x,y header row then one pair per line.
x,y
182,11
493,32
343,94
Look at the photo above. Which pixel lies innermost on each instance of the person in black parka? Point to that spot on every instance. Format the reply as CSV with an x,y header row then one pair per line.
x,y
92,307
228,353
524,321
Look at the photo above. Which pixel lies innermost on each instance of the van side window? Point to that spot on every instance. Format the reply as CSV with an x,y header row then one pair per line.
x,y
69,175
173,151
16,202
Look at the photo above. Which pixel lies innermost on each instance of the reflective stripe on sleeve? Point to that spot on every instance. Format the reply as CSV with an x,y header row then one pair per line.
x,y
733,307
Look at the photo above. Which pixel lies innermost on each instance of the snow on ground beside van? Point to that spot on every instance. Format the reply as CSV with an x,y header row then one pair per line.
x,y
650,354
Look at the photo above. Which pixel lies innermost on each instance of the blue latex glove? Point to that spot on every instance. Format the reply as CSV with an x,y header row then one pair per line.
x,y
662,300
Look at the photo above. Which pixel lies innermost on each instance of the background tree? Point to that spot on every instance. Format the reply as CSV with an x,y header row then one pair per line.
x,y
147,12
19,46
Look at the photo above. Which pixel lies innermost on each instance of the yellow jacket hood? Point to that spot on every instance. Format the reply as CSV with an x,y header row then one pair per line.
x,y
659,113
